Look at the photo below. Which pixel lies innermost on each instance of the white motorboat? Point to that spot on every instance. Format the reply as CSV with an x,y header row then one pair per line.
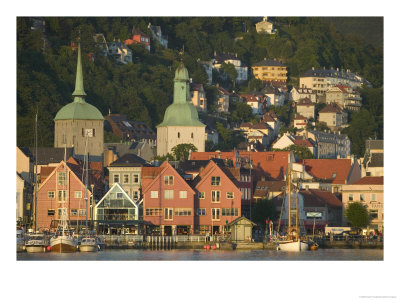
x,y
36,243
89,244
20,240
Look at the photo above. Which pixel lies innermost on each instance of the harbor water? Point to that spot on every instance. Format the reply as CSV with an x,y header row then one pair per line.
x,y
217,255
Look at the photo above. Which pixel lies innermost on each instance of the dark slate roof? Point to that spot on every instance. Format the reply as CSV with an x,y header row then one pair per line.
x,y
269,62
376,160
129,160
47,155
374,144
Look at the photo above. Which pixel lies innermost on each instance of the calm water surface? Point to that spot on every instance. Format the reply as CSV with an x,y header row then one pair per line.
x,y
321,254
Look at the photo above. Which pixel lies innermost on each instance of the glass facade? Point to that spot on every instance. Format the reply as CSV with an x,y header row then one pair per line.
x,y
116,206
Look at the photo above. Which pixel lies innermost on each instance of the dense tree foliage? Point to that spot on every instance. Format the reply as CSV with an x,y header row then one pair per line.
x,y
46,64
181,151
299,152
264,210
357,214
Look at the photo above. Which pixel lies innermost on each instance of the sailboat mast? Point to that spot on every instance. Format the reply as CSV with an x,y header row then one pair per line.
x,y
86,178
289,209
36,184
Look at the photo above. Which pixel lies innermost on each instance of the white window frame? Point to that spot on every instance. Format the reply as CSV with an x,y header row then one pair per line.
x,y
214,180
51,194
154,194
227,195
116,176
78,194
214,214
169,194
182,194
125,176
201,195
135,178
169,180
168,214
214,196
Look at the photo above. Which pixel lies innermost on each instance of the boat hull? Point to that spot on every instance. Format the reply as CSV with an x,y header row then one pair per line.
x,y
292,246
88,248
35,249
63,244
20,247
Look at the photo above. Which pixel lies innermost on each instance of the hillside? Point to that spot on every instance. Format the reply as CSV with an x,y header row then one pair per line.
x,y
142,90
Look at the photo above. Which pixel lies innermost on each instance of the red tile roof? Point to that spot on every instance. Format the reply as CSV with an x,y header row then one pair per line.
x,y
336,170
378,180
320,198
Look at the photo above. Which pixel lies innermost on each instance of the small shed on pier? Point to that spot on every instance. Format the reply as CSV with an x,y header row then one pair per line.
x,y
241,229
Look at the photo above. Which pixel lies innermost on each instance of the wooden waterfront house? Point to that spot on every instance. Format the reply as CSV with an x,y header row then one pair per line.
x,y
241,229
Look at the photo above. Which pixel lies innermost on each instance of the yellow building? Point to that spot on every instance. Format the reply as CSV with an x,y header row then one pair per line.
x,y
270,70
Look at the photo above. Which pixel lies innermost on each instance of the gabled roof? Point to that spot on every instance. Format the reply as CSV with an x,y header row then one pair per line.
x,y
47,155
129,160
331,108
318,198
239,219
334,170
302,143
305,102
264,187
369,180
159,172
117,186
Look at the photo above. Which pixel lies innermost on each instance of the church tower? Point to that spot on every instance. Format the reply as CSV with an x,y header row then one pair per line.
x,y
181,123
78,121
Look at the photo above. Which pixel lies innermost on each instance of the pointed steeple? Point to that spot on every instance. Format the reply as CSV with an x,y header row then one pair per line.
x,y
79,92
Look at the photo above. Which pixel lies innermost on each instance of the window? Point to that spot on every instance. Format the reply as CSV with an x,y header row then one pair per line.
x,y
135,195
183,194
192,135
201,195
362,197
168,213
350,197
116,178
215,213
82,212
215,180
62,178
373,197
229,195
62,196
201,212
169,194
183,211
120,195
78,194
215,196
135,178
154,194
168,180
51,212
126,178
373,213
153,211
51,194
230,212
179,135
74,212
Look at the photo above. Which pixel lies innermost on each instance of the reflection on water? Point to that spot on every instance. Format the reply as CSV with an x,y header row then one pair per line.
x,y
321,254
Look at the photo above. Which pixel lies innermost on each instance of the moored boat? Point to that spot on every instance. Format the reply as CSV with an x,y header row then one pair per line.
x,y
89,244
36,243
20,240
292,246
63,244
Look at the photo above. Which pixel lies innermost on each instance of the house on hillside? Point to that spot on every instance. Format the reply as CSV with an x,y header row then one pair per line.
x,y
300,122
287,140
138,37
222,100
345,96
120,52
228,58
270,71
306,108
300,93
330,145
265,27
157,35
274,96
198,96
333,116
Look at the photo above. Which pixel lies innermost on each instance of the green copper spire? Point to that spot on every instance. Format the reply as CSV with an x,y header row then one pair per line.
x,y
181,112
79,92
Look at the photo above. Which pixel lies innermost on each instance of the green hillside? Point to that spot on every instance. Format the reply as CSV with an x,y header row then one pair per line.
x,y
143,89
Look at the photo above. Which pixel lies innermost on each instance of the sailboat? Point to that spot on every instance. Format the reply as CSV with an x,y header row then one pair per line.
x,y
89,243
64,241
292,242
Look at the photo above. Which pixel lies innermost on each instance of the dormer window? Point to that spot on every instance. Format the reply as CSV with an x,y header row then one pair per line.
x,y
179,135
